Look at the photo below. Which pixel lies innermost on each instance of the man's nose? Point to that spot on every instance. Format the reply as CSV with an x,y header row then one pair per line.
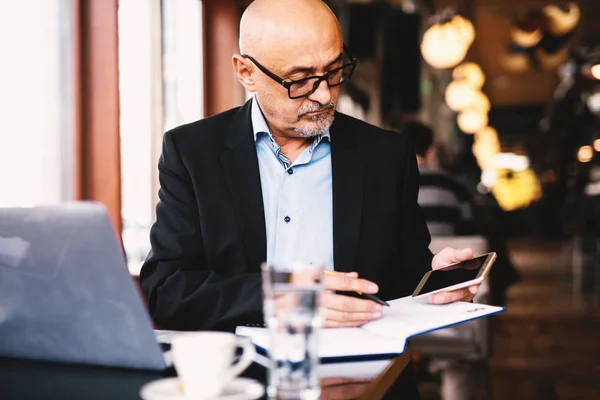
x,y
322,95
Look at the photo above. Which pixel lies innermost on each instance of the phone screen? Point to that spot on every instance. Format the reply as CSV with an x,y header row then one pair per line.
x,y
453,274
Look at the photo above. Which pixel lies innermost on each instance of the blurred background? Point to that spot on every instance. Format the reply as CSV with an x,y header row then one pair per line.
x,y
509,88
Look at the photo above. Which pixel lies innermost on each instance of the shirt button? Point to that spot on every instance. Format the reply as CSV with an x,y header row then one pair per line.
x,y
290,171
287,219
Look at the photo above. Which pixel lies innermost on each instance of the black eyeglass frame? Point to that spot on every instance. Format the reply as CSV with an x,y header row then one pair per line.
x,y
320,78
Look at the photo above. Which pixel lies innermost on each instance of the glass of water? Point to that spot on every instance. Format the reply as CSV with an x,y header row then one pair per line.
x,y
293,314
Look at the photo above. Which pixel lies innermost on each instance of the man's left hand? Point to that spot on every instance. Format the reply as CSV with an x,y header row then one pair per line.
x,y
444,258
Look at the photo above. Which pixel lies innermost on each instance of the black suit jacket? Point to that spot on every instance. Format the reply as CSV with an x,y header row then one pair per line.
x,y
209,239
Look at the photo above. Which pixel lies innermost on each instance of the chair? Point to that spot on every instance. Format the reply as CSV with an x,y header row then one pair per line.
x,y
469,342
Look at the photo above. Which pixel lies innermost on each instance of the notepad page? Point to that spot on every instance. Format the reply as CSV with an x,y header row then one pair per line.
x,y
406,317
338,342
388,335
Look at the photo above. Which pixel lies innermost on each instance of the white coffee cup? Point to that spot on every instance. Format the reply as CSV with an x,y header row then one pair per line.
x,y
204,361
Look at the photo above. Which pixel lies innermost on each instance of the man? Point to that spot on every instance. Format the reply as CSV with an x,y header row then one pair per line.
x,y
279,180
446,203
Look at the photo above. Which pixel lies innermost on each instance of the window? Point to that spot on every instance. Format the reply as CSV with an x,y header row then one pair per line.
x,y
182,62
160,85
136,68
36,103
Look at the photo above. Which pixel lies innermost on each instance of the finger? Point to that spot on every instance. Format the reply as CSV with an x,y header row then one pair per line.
x,y
449,256
450,297
473,289
338,324
347,283
463,254
350,304
342,316
352,274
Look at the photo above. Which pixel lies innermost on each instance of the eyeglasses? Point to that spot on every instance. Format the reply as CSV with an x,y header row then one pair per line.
x,y
306,86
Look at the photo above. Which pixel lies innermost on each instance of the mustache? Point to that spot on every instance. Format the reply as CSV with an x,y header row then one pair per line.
x,y
312,107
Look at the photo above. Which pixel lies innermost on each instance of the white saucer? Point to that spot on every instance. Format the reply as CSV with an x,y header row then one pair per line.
x,y
170,389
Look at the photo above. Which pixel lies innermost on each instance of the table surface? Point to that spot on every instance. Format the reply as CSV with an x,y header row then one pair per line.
x,y
27,379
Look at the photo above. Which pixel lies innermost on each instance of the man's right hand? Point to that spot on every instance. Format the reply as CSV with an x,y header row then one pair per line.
x,y
345,311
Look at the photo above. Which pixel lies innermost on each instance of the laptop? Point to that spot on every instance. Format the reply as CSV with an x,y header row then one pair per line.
x,y
66,294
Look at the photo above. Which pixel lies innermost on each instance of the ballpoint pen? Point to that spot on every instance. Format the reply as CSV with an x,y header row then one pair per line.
x,y
374,298
367,295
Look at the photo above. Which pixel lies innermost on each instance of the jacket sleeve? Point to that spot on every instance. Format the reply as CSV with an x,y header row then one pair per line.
x,y
414,238
182,292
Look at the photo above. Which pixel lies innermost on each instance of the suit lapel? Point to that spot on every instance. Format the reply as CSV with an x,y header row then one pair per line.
x,y
240,165
348,172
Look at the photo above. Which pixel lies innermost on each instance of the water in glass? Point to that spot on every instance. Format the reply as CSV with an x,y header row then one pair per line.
x,y
293,315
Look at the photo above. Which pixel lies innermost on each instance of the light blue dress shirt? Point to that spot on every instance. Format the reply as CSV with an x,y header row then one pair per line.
x,y
297,198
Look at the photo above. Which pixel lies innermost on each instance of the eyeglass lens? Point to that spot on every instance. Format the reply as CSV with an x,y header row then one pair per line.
x,y
336,77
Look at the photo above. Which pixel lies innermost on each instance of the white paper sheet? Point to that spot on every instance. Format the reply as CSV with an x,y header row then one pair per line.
x,y
388,335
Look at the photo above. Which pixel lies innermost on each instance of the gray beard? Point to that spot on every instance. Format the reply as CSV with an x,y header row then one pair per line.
x,y
323,125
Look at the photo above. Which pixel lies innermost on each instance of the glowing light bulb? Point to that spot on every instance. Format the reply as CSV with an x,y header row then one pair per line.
x,y
471,121
584,154
595,70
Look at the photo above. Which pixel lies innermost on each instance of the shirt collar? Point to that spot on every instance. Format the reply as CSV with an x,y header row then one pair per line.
x,y
259,124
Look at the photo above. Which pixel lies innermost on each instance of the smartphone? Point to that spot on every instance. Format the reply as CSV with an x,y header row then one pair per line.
x,y
456,276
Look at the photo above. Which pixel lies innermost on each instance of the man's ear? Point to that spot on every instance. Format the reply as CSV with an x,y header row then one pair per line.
x,y
242,70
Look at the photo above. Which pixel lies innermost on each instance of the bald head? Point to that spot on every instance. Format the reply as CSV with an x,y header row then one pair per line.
x,y
271,26
289,44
